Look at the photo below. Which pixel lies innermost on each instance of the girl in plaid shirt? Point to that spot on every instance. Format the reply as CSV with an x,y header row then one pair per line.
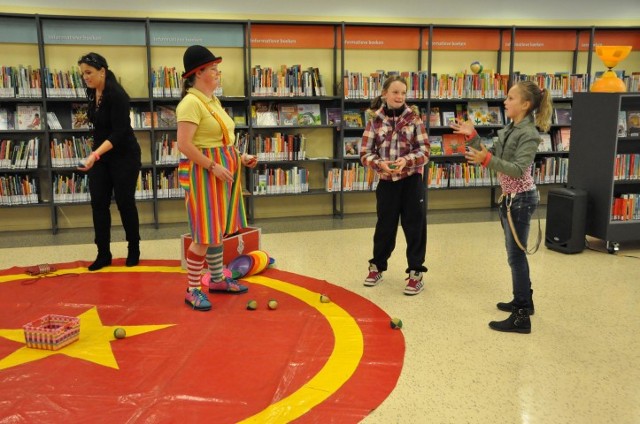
x,y
396,146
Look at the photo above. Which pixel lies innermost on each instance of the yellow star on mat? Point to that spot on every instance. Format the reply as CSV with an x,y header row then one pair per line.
x,y
94,344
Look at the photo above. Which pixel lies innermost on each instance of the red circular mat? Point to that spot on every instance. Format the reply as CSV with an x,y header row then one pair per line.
x,y
307,361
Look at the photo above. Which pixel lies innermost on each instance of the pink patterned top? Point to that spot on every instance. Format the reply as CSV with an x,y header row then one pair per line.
x,y
521,184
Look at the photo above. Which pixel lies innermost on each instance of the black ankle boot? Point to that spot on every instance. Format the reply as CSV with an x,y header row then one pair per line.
x,y
518,322
508,306
133,255
103,259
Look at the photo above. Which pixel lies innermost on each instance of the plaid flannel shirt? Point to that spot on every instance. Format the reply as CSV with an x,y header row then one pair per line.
x,y
389,138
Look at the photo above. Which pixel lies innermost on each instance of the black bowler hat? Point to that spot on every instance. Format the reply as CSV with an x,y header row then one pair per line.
x,y
195,58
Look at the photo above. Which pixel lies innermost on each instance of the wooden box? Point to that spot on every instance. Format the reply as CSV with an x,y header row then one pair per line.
x,y
245,241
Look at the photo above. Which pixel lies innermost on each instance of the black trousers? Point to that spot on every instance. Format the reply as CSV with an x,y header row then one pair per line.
x,y
118,178
402,200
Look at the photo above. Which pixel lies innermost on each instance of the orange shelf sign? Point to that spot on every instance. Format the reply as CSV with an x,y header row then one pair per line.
x,y
546,40
292,36
611,38
463,39
379,38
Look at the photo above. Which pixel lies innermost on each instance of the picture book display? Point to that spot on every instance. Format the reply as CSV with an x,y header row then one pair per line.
x,y
622,123
448,117
288,114
309,114
264,114
53,122
166,116
453,144
562,139
149,119
435,145
478,113
334,116
434,117
545,143
495,116
6,119
240,117
562,114
353,118
351,147
28,117
80,116
633,123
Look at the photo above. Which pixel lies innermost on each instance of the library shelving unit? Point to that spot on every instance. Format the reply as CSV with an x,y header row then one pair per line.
x,y
456,92
146,55
167,42
604,163
292,89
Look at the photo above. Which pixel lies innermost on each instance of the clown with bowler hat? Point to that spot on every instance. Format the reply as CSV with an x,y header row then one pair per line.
x,y
210,175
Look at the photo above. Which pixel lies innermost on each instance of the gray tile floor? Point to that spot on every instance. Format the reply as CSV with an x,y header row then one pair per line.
x,y
580,364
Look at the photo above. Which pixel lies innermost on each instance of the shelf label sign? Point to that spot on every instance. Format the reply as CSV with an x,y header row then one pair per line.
x,y
541,40
188,34
292,36
380,38
463,39
18,30
94,33
610,38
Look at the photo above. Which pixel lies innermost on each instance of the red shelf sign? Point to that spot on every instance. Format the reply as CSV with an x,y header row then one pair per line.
x,y
292,36
379,38
541,40
463,39
611,38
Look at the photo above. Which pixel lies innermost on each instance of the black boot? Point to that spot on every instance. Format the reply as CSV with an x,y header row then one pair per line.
x,y
508,306
518,322
103,259
133,255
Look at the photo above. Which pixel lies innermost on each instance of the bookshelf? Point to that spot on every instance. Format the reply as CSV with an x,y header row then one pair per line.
x,y
138,49
604,163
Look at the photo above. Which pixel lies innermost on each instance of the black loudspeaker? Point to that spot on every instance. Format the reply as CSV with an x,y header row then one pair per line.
x,y
566,220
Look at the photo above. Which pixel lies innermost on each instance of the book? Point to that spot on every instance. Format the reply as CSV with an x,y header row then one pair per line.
x,y
495,115
434,117
166,116
334,116
448,117
353,118
28,117
478,112
264,114
453,144
435,145
4,119
545,143
53,122
309,114
562,114
80,116
240,118
633,123
563,139
622,123
149,119
288,114
351,147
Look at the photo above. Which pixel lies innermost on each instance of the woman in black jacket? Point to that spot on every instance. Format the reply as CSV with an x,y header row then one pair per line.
x,y
115,160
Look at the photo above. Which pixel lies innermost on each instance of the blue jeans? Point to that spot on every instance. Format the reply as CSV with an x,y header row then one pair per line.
x,y
523,205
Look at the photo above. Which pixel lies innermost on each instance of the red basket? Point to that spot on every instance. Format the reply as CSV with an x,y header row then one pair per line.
x,y
52,332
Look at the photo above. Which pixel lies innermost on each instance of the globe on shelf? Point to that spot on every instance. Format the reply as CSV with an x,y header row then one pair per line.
x,y
476,67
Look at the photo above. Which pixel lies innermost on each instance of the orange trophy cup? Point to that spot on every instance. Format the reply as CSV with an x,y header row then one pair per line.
x,y
609,81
